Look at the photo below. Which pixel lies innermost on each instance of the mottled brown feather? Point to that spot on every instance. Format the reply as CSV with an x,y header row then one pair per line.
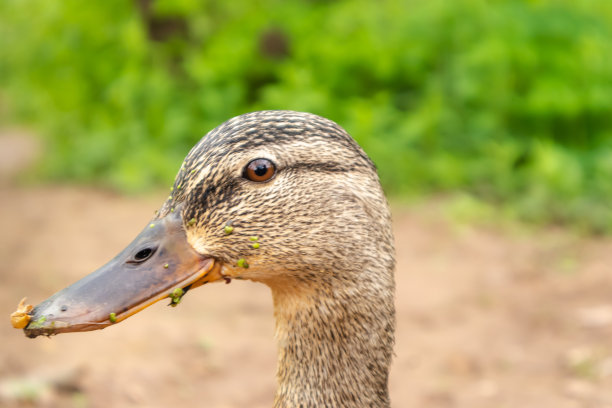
x,y
325,248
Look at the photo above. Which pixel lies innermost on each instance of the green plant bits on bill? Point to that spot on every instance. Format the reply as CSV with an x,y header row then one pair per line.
x,y
242,263
166,266
38,323
176,296
151,225
112,317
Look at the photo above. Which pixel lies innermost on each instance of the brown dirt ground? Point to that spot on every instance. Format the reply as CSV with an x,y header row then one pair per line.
x,y
487,317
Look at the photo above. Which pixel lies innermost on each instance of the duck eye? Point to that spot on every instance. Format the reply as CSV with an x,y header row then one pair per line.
x,y
259,170
142,255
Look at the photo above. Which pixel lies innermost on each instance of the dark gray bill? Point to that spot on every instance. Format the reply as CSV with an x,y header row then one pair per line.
x,y
159,263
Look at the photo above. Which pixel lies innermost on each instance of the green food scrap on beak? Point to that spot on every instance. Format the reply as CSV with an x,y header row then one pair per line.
x,y
112,317
37,324
176,296
166,266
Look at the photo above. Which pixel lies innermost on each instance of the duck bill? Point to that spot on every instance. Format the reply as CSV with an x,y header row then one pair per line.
x,y
158,264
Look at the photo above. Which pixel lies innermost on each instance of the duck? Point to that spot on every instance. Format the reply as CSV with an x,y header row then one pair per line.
x,y
282,198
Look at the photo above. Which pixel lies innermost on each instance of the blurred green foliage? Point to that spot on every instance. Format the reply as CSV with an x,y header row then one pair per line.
x,y
508,101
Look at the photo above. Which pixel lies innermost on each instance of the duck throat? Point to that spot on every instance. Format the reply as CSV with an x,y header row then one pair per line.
x,y
335,345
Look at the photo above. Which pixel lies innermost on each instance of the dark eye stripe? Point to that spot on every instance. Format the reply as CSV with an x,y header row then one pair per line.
x,y
326,167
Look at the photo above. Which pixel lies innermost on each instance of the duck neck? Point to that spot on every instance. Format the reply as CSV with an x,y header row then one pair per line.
x,y
335,344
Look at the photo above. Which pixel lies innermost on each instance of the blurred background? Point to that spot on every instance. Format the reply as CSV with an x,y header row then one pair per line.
x,y
490,123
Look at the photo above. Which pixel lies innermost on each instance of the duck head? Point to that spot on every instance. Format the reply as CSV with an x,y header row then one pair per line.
x,y
284,198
